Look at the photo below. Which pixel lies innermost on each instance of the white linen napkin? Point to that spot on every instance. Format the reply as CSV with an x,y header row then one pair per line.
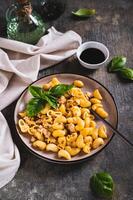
x,y
19,66
9,154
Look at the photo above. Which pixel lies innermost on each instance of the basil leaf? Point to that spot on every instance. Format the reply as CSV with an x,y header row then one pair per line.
x,y
60,89
127,73
117,63
84,12
51,100
36,91
34,106
102,185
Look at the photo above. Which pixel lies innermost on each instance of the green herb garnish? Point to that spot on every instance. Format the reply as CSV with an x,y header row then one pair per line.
x,y
51,100
60,89
102,185
36,91
84,12
118,64
41,97
34,106
127,73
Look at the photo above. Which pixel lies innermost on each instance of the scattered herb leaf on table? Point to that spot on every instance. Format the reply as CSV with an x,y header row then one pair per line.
x,y
102,185
84,12
117,63
127,73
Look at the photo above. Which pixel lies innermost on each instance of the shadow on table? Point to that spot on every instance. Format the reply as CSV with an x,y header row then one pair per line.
x,y
70,65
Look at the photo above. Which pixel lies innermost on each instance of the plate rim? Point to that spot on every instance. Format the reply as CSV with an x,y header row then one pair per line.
x,y
67,161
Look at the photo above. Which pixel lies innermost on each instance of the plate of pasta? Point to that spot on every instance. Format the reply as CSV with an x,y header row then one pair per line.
x,y
54,120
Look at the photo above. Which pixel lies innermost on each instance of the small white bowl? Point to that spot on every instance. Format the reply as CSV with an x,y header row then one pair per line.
x,y
96,45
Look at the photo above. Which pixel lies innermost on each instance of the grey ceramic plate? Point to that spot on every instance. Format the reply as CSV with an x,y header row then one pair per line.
x,y
90,85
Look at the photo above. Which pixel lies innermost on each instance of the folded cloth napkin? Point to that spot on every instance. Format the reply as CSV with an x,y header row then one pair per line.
x,y
19,66
9,154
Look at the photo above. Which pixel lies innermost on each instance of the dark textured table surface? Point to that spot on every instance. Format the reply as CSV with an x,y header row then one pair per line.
x,y
39,180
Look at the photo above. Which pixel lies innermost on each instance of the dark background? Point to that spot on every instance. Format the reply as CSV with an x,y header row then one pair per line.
x,y
37,179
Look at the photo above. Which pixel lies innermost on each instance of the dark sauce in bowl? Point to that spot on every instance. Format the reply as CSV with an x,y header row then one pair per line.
x,y
92,56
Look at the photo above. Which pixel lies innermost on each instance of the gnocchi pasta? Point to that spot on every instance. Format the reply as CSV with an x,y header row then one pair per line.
x,y
70,128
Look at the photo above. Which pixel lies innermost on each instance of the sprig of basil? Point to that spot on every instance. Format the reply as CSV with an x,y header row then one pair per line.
x,y
84,12
117,63
36,104
102,185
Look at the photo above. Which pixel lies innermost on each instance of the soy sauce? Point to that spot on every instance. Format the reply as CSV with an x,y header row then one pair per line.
x,y
92,56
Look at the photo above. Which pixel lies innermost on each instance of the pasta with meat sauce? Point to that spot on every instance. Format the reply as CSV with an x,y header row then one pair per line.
x,y
70,128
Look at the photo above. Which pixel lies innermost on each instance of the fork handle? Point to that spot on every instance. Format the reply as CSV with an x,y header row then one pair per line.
x,y
111,127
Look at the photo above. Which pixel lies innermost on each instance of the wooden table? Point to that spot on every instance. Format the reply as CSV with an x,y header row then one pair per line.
x,y
39,180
